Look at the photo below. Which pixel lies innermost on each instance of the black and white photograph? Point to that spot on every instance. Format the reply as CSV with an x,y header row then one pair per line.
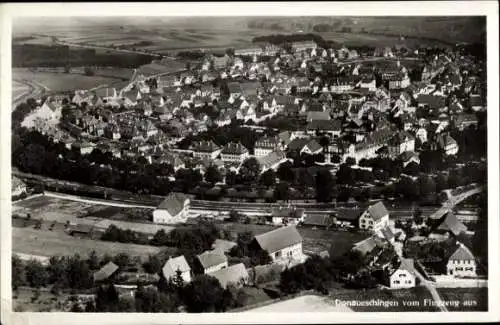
x,y
250,163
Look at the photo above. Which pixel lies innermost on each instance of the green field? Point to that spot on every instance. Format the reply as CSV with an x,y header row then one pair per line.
x,y
58,82
46,243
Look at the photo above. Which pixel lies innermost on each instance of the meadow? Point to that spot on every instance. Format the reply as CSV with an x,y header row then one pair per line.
x,y
59,81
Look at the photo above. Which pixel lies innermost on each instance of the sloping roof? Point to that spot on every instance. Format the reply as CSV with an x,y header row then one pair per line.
x,y
250,88
234,148
321,220
211,258
368,245
387,233
232,274
377,210
173,264
234,87
205,146
271,158
348,213
452,224
462,254
105,272
318,115
313,145
222,245
297,143
407,264
278,239
173,203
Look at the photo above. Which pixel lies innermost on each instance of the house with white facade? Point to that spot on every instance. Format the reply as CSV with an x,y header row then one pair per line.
x,y
374,218
266,145
234,152
174,265
403,277
284,245
462,262
205,149
174,209
210,261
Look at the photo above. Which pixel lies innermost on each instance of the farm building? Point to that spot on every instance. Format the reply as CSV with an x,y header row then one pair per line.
x,y
319,220
374,218
450,225
80,230
282,244
462,262
236,275
210,261
287,215
403,276
173,265
105,272
174,209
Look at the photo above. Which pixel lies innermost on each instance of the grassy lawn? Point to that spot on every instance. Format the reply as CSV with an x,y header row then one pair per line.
x,y
47,243
255,295
24,300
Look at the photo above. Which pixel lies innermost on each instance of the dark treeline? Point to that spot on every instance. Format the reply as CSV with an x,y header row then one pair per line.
x,y
30,55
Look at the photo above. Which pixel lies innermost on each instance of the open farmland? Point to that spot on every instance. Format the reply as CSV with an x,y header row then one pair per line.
x,y
46,243
19,89
59,82
58,210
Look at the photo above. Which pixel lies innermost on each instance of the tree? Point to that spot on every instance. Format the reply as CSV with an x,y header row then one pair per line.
x,y
153,264
268,178
212,175
121,259
203,294
231,178
18,274
324,186
282,191
250,170
285,172
107,299
36,274
350,161
93,260
417,217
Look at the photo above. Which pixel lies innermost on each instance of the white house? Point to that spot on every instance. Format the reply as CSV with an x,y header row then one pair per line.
x,y
174,265
211,261
374,218
462,262
234,152
287,215
266,145
205,149
174,209
403,277
283,245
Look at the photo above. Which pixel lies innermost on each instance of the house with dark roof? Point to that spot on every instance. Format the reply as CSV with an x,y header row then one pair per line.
x,y
282,244
450,225
463,121
374,218
235,275
234,152
331,127
175,265
462,262
266,145
370,246
202,149
105,272
319,220
210,261
174,209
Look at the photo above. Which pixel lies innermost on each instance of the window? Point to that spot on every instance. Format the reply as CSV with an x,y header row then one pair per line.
x,y
395,281
277,254
402,275
408,281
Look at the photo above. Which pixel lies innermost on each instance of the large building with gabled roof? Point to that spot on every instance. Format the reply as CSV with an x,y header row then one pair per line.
x,y
374,218
282,244
174,209
462,262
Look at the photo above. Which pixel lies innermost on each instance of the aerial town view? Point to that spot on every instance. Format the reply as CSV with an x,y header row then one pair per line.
x,y
249,164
